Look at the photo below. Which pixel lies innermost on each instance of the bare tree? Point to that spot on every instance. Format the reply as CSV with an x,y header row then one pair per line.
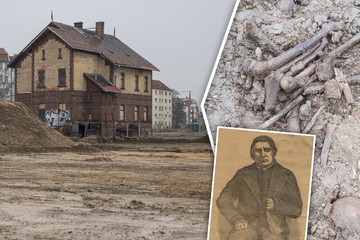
x,y
6,89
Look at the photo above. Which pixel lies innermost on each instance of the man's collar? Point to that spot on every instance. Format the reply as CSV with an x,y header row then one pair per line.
x,y
266,167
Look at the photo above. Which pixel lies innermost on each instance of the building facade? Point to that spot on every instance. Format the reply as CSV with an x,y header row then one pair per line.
x,y
162,106
192,113
88,80
7,77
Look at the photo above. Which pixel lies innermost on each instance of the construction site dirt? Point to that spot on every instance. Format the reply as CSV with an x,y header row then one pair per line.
x,y
157,188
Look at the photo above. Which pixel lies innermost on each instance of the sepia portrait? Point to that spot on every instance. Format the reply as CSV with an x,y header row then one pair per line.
x,y
261,185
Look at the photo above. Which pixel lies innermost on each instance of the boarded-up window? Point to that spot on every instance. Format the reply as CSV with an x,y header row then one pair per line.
x,y
122,113
62,106
145,113
136,117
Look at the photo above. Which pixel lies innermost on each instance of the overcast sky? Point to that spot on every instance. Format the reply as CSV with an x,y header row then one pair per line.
x,y
180,37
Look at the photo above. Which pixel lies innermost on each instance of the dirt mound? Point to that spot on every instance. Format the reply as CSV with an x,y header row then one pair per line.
x,y
19,127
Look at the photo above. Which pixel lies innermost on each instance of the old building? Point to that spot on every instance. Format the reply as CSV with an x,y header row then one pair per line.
x,y
7,77
86,79
161,105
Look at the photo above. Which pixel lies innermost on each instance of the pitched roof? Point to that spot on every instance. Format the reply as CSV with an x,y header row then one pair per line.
x,y
101,82
109,48
4,57
156,84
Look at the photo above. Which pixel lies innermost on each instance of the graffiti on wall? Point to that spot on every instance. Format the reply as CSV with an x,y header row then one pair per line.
x,y
56,119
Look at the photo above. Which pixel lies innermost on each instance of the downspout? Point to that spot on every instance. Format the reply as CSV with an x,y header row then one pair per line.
x,y
115,129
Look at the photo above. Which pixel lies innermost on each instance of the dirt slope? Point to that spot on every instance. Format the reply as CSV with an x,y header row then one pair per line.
x,y
19,127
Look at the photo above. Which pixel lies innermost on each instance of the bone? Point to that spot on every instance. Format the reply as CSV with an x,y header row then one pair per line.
x,y
300,90
325,69
262,69
289,83
314,88
293,121
253,32
336,36
281,113
313,120
346,88
272,88
327,143
300,65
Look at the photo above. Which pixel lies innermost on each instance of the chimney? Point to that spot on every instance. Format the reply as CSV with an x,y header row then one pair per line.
x,y
100,29
78,25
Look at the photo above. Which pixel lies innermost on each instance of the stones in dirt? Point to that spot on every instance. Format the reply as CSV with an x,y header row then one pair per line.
x,y
346,213
332,89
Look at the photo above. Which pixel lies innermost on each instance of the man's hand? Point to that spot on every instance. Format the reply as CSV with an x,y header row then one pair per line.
x,y
269,204
241,224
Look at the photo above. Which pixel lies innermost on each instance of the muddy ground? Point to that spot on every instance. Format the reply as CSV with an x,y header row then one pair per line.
x,y
122,190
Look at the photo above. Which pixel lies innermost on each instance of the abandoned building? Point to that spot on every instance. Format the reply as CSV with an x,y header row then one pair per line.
x,y
85,80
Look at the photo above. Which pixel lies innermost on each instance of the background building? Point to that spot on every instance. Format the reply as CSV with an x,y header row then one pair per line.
x,y
91,81
161,106
7,77
193,111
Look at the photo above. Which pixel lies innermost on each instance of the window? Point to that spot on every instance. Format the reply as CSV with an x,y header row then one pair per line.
x,y
115,80
165,93
145,84
155,99
43,55
165,100
155,91
155,107
169,115
41,112
155,115
166,115
41,79
122,81
145,113
60,54
62,78
136,83
90,117
122,113
169,101
169,108
136,117
165,108
89,98
62,106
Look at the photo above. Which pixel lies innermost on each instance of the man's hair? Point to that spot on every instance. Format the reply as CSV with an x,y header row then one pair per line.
x,y
263,138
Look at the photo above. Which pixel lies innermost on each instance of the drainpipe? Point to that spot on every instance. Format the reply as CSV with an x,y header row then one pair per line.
x,y
115,129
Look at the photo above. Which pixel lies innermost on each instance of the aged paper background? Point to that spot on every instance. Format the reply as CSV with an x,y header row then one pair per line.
x,y
295,152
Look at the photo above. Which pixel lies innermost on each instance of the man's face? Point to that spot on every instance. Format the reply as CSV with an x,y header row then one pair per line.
x,y
263,154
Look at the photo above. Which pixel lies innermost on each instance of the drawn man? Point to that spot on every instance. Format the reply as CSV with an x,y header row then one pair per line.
x,y
266,194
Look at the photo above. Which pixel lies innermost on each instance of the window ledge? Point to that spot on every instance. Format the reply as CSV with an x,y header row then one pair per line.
x,y
61,86
41,86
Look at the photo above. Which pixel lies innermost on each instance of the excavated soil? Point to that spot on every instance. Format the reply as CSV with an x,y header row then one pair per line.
x,y
19,128
229,104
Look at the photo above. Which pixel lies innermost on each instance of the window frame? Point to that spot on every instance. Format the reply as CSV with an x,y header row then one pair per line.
x,y
136,83
62,78
122,113
41,78
136,113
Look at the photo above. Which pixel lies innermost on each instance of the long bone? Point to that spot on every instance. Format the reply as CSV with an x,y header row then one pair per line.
x,y
288,82
253,32
324,70
272,81
262,69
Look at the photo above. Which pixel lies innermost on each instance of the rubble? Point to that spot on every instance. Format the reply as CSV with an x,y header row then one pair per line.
x,y
312,87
